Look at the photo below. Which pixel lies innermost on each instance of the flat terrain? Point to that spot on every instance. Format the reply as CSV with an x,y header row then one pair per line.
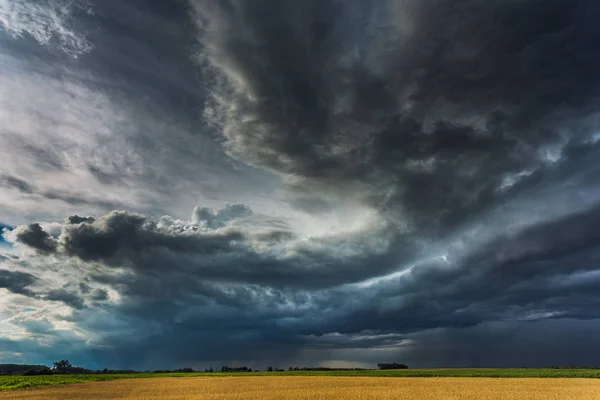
x,y
324,387
9,383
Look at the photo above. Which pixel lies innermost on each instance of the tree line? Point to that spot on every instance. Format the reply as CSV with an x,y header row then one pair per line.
x,y
58,367
271,369
391,365
65,367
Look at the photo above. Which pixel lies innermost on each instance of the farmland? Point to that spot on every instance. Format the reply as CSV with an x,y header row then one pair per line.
x,y
10,383
318,387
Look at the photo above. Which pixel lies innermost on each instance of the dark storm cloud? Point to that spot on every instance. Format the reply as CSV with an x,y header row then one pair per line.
x,y
525,276
216,245
468,129
76,219
17,282
34,236
443,114
99,295
505,343
119,234
546,271
66,297
430,105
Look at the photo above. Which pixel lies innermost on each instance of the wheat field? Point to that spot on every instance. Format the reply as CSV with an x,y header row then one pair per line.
x,y
313,388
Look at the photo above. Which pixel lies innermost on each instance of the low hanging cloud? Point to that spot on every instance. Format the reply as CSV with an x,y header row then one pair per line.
x,y
169,274
222,245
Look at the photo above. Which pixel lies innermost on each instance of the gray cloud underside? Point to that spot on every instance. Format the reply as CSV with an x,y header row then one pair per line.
x,y
172,279
467,131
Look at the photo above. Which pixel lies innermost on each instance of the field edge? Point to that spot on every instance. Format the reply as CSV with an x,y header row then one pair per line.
x,y
12,383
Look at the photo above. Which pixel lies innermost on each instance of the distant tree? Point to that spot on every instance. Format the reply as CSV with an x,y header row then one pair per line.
x,y
290,369
62,365
270,369
390,365
227,368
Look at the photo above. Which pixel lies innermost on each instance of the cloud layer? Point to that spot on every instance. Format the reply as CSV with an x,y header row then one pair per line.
x,y
411,180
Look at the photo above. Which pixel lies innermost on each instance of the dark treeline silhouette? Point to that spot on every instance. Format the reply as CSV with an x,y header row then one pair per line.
x,y
227,368
59,367
38,371
23,369
271,369
116,371
65,367
179,370
390,365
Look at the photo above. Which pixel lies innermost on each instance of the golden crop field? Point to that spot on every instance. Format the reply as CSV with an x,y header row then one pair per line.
x,y
313,388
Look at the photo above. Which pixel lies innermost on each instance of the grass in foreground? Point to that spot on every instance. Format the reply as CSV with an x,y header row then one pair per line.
x,y
322,387
8,383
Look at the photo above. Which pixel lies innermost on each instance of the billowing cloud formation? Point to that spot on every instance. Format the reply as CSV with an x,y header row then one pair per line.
x,y
33,235
225,245
442,155
435,121
231,284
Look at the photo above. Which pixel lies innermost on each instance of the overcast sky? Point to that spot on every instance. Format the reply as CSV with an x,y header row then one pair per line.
x,y
192,183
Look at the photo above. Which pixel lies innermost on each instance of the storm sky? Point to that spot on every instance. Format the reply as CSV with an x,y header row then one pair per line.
x,y
193,183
